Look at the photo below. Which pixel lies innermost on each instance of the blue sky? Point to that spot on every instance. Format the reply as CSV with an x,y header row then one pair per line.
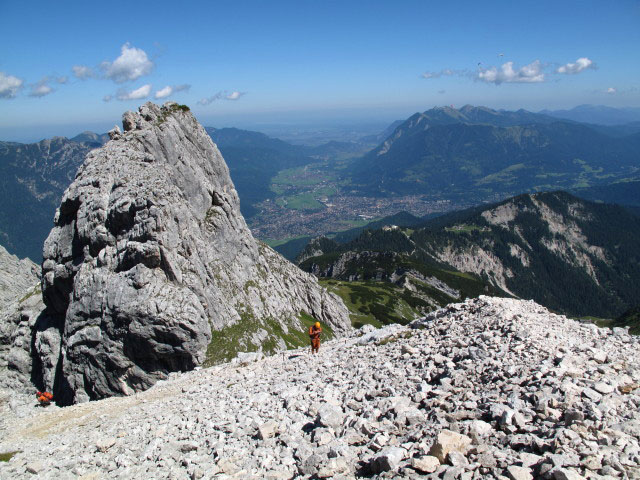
x,y
246,62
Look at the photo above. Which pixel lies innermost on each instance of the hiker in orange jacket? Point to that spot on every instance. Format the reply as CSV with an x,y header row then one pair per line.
x,y
314,334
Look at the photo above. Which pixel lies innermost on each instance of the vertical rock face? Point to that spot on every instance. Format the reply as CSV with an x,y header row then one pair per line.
x,y
16,277
20,304
150,267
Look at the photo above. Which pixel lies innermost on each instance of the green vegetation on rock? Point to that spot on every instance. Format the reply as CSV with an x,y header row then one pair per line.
x,y
5,457
244,336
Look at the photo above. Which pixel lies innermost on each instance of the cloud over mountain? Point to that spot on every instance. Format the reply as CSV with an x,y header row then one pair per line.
x,y
531,73
137,94
171,89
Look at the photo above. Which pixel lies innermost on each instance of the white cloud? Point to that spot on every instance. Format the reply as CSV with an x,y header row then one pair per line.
x,y
137,94
132,63
447,72
82,72
164,92
234,95
211,99
578,66
62,80
531,73
9,85
171,89
611,91
107,98
41,88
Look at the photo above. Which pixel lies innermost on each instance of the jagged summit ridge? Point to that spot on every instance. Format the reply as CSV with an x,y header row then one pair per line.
x,y
149,255
489,388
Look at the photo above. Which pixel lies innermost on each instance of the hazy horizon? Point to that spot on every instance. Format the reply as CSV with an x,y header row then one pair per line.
x,y
76,66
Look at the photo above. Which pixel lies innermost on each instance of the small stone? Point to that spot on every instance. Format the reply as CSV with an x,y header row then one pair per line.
x,y
529,459
592,395
603,388
323,436
409,349
425,464
599,356
519,473
457,459
388,459
414,417
34,467
480,428
572,416
332,468
487,460
452,473
188,447
105,444
448,441
330,416
267,430
566,474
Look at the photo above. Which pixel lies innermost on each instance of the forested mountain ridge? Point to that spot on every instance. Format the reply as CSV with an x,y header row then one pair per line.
x,y
568,254
32,180
478,151
571,255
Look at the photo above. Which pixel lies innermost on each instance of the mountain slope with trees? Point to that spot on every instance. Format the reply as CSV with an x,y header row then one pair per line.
x,y
32,180
478,152
571,255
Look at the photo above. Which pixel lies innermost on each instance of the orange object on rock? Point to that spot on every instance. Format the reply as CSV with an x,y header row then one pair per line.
x,y
45,398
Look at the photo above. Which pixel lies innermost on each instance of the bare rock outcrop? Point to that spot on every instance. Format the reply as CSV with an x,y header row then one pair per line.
x,y
16,277
20,305
150,267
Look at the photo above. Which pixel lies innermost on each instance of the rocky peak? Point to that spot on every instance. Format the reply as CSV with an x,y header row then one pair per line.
x,y
150,267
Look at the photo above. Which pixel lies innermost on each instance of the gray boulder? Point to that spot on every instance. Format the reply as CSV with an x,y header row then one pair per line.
x,y
150,267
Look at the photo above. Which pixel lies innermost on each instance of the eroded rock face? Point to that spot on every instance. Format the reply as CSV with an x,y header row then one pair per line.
x,y
20,305
150,257
16,277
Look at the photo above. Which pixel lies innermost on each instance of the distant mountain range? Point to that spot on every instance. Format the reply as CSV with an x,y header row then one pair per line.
x,y
597,114
476,152
32,180
571,255
623,193
471,153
